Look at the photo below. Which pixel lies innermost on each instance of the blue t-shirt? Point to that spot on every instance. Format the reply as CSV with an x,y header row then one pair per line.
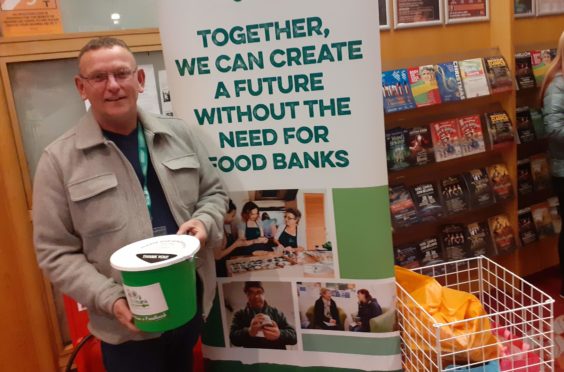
x,y
161,216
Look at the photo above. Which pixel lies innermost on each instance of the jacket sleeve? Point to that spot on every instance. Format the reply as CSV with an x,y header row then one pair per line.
x,y
59,249
553,110
239,332
287,332
212,201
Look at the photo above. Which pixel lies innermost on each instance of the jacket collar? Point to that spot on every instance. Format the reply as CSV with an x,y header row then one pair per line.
x,y
89,134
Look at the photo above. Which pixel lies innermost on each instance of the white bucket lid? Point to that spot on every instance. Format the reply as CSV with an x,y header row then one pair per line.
x,y
155,253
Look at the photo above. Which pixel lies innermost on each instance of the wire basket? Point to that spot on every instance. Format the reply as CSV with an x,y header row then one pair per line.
x,y
519,315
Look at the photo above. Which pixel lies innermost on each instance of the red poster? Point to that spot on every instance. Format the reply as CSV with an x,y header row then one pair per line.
x,y
464,9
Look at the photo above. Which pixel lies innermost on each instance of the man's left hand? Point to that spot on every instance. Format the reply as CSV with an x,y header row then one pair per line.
x,y
196,228
271,332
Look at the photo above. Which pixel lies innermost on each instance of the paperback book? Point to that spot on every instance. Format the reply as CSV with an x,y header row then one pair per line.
x,y
524,177
479,188
420,146
541,60
446,140
471,135
453,242
500,129
397,151
542,219
402,207
407,256
502,234
427,201
525,129
454,193
431,252
396,91
498,74
449,82
527,230
424,85
540,172
524,71
500,181
478,239
474,78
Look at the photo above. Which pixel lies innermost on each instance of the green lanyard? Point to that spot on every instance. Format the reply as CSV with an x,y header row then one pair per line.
x,y
144,162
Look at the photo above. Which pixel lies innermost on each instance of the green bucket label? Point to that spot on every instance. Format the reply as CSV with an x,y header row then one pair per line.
x,y
147,303
155,257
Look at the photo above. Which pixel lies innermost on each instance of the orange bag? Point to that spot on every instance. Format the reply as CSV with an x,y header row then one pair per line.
x,y
468,341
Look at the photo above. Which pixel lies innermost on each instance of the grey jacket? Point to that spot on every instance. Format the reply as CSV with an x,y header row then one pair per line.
x,y
553,110
88,202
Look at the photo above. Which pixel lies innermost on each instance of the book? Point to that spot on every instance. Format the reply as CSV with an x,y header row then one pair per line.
x,y
554,209
420,146
499,127
396,91
524,177
478,239
500,181
453,242
525,130
540,172
426,198
527,230
502,234
473,77
480,191
446,140
454,193
524,71
430,251
498,74
407,256
540,61
397,151
449,82
538,122
402,207
542,219
471,135
424,85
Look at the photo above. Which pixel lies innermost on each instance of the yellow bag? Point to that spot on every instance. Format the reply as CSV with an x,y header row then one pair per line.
x,y
468,341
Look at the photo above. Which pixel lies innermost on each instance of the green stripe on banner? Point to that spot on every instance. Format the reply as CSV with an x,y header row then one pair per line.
x,y
212,334
222,366
352,345
364,233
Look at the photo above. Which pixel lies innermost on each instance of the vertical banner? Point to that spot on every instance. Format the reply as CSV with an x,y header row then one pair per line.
x,y
30,17
286,97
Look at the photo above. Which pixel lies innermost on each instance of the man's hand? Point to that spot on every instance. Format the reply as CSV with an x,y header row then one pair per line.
x,y
256,325
271,332
123,314
196,228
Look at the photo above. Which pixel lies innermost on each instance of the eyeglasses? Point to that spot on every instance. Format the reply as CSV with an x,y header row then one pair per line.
x,y
101,78
289,218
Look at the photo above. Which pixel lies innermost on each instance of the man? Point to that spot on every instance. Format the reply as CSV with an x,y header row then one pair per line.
x,y
260,325
326,314
119,176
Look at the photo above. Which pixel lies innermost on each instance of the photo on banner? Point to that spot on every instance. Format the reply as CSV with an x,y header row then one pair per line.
x,y
417,13
545,7
461,11
525,8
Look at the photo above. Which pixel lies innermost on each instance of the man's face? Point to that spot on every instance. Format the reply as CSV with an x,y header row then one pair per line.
x,y
114,98
255,297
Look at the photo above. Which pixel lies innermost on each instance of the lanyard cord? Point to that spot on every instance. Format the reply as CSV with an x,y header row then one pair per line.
x,y
144,162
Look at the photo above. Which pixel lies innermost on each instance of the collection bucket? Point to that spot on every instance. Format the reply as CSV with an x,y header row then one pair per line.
x,y
159,279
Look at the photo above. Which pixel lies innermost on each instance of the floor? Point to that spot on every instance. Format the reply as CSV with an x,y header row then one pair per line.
x,y
549,281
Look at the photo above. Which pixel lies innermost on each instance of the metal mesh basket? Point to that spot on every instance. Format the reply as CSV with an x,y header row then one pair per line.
x,y
519,315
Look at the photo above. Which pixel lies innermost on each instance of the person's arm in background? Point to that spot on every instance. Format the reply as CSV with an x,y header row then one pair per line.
x,y
59,249
553,110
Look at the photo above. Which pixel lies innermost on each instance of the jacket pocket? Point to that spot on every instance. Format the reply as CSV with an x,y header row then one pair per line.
x,y
97,205
184,179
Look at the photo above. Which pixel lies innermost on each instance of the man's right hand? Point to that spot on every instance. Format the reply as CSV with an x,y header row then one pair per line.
x,y
124,315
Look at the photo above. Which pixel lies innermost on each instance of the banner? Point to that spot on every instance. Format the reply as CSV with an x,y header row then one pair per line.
x,y
286,97
30,17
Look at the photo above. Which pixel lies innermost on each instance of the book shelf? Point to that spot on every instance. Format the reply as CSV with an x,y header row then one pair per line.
x,y
501,35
